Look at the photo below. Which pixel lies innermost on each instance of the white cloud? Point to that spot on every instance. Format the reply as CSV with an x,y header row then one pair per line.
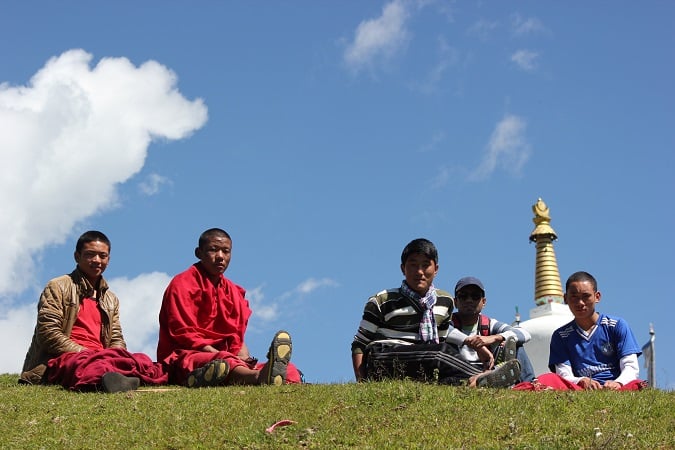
x,y
16,330
441,178
68,138
140,302
508,148
525,59
262,311
448,57
269,311
378,39
483,28
310,285
522,26
436,139
153,183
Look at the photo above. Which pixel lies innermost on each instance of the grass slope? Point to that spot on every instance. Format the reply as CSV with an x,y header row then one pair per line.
x,y
386,415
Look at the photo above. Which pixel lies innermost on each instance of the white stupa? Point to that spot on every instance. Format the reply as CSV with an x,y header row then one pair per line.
x,y
550,311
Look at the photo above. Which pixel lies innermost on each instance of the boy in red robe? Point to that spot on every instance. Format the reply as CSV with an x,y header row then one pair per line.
x,y
78,339
202,323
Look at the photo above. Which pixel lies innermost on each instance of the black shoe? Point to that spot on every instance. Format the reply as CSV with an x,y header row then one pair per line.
x,y
210,374
116,382
504,375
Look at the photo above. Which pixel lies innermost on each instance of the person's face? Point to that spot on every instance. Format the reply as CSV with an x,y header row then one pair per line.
x,y
92,260
215,255
581,299
419,272
470,300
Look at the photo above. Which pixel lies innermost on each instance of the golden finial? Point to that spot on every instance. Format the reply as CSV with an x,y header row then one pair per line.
x,y
542,220
547,286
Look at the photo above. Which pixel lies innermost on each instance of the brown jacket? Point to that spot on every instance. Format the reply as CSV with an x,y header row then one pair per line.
x,y
57,311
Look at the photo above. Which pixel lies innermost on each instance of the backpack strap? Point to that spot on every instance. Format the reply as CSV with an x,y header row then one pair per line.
x,y
483,325
456,322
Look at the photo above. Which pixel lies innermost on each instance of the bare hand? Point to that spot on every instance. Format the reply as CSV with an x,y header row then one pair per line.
x,y
589,384
476,341
244,354
486,357
612,385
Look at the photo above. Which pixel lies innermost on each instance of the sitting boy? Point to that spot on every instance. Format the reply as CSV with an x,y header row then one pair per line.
x,y
594,351
202,323
403,330
78,341
472,330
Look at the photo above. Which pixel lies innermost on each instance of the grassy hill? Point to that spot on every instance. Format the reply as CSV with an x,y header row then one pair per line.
x,y
399,414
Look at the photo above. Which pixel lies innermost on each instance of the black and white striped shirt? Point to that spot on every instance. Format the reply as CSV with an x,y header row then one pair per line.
x,y
392,315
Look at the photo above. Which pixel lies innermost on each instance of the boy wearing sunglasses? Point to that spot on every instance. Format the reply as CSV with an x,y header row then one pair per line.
x,y
471,330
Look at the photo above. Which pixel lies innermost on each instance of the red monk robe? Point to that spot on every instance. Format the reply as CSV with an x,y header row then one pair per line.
x,y
83,371
196,313
553,381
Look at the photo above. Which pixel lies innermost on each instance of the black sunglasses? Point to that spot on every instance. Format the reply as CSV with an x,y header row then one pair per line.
x,y
466,296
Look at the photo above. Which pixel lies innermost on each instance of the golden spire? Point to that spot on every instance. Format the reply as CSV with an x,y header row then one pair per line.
x,y
547,286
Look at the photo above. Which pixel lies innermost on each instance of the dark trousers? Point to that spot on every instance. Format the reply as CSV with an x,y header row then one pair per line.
x,y
423,362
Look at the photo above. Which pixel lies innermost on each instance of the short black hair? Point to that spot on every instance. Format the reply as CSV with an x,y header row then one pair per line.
x,y
582,276
91,236
212,232
420,245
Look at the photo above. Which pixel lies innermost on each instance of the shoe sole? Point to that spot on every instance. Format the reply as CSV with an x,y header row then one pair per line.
x,y
116,382
504,375
279,355
211,374
510,348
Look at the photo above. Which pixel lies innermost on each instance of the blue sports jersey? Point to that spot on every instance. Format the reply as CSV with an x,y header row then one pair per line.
x,y
597,354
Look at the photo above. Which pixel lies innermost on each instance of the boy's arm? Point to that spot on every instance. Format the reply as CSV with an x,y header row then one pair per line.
x,y
456,337
499,332
630,369
505,330
367,331
116,337
50,320
359,368
565,371
625,343
476,342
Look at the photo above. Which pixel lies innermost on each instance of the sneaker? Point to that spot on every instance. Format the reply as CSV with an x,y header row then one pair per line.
x,y
116,382
504,375
210,374
510,348
278,357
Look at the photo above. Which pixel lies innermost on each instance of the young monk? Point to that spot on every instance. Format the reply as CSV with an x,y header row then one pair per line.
x,y
202,323
78,339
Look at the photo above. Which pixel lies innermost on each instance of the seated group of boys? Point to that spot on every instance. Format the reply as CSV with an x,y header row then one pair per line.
x,y
411,331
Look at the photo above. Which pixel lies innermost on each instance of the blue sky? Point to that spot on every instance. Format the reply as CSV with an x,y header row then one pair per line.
x,y
326,135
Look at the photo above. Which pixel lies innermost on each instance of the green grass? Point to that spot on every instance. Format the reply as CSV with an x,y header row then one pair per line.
x,y
396,414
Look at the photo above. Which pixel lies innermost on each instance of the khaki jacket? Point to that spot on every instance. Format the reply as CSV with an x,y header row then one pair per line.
x,y
58,307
